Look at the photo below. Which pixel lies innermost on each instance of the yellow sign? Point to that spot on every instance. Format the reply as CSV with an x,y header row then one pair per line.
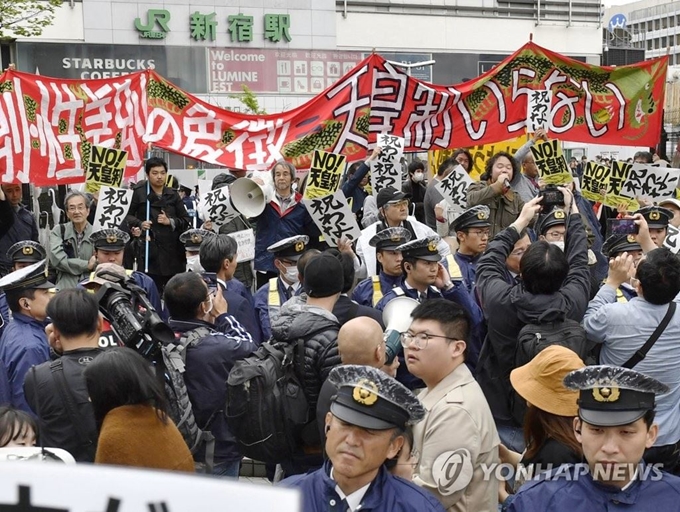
x,y
107,167
551,164
324,174
617,177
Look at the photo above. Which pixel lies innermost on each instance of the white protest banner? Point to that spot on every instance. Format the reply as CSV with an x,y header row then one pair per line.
x,y
333,217
246,244
54,487
112,207
454,188
216,206
538,110
386,169
672,240
650,183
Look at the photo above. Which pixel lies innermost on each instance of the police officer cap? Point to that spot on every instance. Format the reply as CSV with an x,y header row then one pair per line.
x,y
111,239
389,195
612,396
290,248
554,218
422,249
33,277
193,238
390,238
26,251
616,244
657,217
475,217
371,399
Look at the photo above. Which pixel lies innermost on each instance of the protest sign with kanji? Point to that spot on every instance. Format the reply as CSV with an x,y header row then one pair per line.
x,y
594,181
386,169
216,206
333,217
245,239
614,197
672,240
112,207
454,188
650,183
552,166
324,175
538,110
107,167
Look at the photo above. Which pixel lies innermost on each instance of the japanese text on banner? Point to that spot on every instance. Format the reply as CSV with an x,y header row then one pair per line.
x,y
324,174
386,169
112,207
454,188
107,167
594,181
617,178
333,217
672,240
216,206
246,244
552,166
650,183
538,110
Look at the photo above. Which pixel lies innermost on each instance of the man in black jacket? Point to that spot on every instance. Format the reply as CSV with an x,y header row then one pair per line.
x,y
345,308
414,187
551,279
56,390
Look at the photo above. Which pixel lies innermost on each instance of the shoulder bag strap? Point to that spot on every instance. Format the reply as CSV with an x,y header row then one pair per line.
x,y
642,353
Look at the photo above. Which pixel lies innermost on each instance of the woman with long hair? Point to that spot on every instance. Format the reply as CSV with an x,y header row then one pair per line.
x,y
131,412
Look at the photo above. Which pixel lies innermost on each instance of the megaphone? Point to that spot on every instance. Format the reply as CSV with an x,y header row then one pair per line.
x,y
248,197
397,318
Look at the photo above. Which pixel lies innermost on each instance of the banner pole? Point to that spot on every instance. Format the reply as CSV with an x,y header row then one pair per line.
x,y
148,218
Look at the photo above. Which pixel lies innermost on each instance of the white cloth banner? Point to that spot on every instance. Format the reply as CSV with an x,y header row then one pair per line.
x,y
112,207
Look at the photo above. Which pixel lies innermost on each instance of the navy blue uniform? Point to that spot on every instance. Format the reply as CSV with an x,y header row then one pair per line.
x,y
364,292
267,306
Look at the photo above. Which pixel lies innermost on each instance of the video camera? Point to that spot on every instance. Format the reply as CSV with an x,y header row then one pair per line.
x,y
552,198
132,317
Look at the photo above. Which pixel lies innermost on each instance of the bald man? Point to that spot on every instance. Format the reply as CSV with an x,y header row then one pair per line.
x,y
360,341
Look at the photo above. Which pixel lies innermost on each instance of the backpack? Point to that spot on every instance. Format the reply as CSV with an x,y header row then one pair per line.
x,y
181,411
266,406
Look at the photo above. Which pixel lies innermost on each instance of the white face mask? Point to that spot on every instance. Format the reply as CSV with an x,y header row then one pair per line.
x,y
559,243
418,177
291,274
194,264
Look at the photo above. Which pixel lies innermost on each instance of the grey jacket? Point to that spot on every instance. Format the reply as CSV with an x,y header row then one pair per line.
x,y
71,268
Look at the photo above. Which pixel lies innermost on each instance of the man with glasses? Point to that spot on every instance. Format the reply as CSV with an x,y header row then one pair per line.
x,y
471,230
458,435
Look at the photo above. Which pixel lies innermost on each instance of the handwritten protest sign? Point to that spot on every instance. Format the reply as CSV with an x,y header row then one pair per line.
x,y
538,110
216,206
672,240
324,175
386,169
454,188
107,166
333,217
594,180
246,244
617,177
650,182
112,207
552,166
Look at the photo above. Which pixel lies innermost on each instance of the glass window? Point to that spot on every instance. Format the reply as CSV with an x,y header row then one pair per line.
x,y
663,42
176,161
657,24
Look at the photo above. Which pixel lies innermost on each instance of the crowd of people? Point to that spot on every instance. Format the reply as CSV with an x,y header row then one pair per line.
x,y
537,371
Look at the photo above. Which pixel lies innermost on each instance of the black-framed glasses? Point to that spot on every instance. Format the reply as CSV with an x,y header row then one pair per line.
x,y
419,339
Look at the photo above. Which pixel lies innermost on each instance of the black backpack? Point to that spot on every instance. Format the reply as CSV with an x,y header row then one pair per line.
x,y
266,407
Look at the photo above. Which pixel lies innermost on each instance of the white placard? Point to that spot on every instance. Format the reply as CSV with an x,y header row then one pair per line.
x,y
650,182
55,487
112,207
333,217
538,110
672,240
454,188
246,244
386,169
216,206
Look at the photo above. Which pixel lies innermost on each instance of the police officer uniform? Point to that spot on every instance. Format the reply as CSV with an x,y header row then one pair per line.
x,y
270,296
465,265
657,217
24,343
556,217
369,291
612,247
609,396
371,400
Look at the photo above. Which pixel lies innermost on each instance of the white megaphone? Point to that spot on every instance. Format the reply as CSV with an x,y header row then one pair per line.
x,y
397,319
248,197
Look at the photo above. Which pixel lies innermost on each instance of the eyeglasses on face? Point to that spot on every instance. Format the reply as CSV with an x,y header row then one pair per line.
x,y
419,339
77,208
482,233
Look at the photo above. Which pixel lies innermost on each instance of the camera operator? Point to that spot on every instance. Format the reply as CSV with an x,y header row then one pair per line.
x,y
222,342
56,390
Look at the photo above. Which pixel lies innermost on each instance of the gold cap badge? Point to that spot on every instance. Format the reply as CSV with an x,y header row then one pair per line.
x,y
482,215
299,246
432,246
606,394
365,392
654,215
111,239
197,239
631,239
27,250
559,214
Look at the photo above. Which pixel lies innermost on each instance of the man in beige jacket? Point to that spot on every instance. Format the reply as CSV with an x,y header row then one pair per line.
x,y
458,437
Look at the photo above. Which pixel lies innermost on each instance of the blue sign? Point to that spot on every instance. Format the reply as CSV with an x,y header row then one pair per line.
x,y
423,73
617,21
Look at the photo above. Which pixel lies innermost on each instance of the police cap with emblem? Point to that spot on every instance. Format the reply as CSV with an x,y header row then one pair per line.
x,y
193,238
610,396
657,217
26,251
290,248
389,195
422,249
111,239
371,399
554,218
616,244
33,277
390,238
475,217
